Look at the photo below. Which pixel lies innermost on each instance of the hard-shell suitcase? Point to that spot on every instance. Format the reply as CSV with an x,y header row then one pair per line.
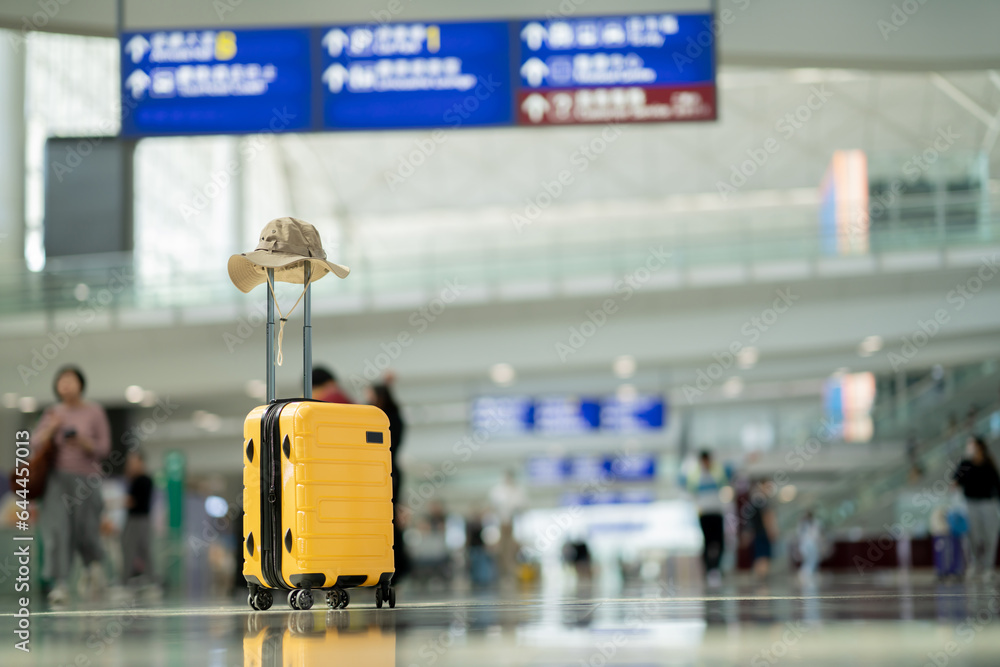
x,y
317,495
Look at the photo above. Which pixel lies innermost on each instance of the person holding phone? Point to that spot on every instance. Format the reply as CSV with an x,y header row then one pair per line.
x,y
70,513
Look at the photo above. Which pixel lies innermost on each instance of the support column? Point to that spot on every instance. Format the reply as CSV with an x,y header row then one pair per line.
x,y
12,138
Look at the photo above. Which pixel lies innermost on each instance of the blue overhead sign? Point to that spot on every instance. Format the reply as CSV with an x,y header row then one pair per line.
x,y
430,74
641,413
617,68
216,81
562,415
547,471
427,74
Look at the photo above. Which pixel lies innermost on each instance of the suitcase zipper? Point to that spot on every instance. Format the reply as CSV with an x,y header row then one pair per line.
x,y
271,509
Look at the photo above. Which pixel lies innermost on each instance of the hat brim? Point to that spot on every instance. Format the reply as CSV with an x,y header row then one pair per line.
x,y
250,269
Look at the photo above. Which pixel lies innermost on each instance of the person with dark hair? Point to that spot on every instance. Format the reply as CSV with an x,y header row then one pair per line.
x,y
977,475
136,562
381,396
325,387
704,484
761,527
70,513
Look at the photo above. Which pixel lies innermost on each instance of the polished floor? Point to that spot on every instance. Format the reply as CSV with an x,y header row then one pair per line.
x,y
856,621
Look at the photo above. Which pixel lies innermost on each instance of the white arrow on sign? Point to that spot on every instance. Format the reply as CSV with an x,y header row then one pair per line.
x,y
137,47
138,81
335,77
535,106
534,71
534,34
335,41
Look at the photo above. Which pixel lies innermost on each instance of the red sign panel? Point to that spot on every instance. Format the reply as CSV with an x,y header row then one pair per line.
x,y
616,105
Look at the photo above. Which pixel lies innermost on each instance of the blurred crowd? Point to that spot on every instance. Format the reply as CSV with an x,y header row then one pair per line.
x,y
102,518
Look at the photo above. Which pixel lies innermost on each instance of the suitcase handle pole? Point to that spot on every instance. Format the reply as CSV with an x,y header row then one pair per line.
x,y
307,381
270,338
306,338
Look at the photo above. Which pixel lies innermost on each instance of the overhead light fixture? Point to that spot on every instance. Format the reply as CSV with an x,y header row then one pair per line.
x,y
148,399
732,387
747,357
788,493
10,400
27,404
502,374
81,292
870,346
624,366
134,393
256,389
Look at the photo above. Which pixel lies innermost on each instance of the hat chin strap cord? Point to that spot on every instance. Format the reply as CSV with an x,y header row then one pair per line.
x,y
278,358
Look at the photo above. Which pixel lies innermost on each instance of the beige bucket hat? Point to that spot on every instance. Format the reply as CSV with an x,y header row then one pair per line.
x,y
286,244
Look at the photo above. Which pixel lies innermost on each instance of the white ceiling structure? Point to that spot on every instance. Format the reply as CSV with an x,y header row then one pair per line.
x,y
889,96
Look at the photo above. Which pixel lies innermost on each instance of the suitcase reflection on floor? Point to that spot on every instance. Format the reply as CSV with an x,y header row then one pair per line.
x,y
316,637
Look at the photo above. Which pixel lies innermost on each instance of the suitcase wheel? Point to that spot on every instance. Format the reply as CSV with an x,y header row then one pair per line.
x,y
300,599
261,600
385,593
337,598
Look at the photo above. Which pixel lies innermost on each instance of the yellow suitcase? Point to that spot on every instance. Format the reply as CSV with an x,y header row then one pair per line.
x,y
317,496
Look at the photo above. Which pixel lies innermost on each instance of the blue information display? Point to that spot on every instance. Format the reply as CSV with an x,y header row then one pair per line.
x,y
642,413
615,51
416,75
568,415
548,471
216,81
617,68
431,74
565,415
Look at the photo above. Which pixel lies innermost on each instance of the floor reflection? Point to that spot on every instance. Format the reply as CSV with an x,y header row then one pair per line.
x,y
838,621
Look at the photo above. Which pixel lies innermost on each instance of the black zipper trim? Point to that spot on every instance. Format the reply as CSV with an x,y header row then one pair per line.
x,y
270,491
270,494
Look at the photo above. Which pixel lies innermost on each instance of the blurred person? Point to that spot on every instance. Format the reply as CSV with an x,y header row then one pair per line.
x,y
762,528
704,484
431,556
70,514
382,397
480,562
980,482
325,387
577,553
810,540
136,553
508,499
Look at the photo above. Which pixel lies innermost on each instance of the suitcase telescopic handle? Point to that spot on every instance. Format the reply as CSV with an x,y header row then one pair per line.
x,y
306,337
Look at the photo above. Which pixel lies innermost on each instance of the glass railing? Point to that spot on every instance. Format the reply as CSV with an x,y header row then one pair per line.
x,y
855,499
489,259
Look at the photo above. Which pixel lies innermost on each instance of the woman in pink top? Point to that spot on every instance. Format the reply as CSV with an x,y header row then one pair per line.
x,y
70,515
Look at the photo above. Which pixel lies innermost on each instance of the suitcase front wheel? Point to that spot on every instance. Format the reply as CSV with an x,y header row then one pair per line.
x,y
337,598
300,599
261,600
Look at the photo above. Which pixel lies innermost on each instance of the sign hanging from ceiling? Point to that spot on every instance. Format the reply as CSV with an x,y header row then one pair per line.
x,y
616,69
642,68
216,82
416,75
